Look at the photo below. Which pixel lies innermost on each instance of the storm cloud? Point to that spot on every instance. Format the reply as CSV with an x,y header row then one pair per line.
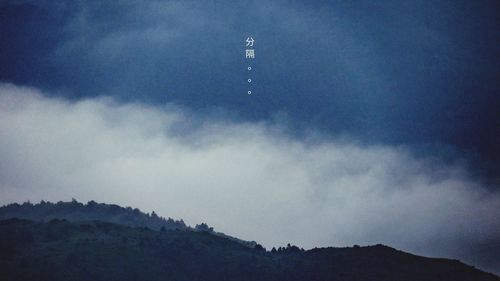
x,y
418,73
248,179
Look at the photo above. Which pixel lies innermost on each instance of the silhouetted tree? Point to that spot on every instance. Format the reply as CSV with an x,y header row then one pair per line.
x,y
203,227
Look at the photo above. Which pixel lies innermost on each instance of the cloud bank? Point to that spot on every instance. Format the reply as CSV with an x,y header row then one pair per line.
x,y
246,179
422,74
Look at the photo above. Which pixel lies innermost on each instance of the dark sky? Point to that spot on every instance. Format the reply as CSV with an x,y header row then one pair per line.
x,y
421,73
412,83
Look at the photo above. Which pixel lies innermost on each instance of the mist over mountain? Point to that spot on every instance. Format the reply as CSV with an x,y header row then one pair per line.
x,y
423,74
354,122
107,242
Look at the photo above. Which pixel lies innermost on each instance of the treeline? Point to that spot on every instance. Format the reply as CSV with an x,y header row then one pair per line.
x,y
76,211
93,211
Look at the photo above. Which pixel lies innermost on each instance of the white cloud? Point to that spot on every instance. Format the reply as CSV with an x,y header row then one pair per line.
x,y
244,179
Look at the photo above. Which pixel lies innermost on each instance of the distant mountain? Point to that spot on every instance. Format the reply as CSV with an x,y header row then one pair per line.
x,y
94,250
76,211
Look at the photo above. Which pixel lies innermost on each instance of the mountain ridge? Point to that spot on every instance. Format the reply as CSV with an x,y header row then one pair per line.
x,y
61,249
77,211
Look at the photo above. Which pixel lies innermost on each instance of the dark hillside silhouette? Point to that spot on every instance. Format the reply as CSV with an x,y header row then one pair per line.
x,y
60,249
76,211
